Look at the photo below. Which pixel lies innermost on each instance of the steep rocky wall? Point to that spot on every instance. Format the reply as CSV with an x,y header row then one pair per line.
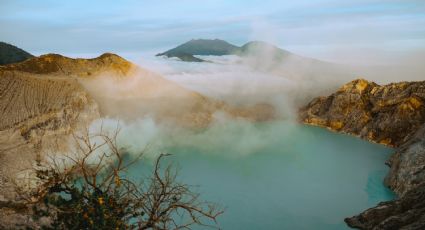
x,y
388,114
407,179
406,213
393,115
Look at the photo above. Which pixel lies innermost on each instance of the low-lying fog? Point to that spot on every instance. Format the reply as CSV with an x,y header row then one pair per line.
x,y
272,175
239,81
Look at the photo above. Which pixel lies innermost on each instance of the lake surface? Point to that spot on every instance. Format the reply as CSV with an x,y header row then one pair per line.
x,y
280,175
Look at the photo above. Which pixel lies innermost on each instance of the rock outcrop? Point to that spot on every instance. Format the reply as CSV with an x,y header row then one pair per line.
x,y
392,115
389,114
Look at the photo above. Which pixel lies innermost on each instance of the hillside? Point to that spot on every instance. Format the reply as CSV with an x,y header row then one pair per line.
x,y
55,64
12,54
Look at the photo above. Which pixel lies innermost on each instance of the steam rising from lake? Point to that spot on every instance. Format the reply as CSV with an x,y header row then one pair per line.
x,y
239,81
271,175
235,80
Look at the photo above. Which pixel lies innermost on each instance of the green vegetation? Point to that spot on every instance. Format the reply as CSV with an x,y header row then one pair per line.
x,y
186,51
11,54
202,47
216,47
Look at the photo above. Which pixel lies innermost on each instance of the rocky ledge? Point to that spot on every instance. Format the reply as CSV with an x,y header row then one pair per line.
x,y
392,115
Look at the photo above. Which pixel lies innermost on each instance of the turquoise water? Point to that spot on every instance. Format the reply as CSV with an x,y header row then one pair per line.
x,y
288,177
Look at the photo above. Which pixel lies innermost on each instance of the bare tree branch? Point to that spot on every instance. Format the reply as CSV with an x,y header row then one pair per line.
x,y
99,192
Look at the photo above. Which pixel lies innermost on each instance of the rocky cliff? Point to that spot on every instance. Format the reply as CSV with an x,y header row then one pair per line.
x,y
388,114
393,115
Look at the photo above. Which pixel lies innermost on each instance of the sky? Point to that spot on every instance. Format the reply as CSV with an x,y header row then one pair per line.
x,y
349,31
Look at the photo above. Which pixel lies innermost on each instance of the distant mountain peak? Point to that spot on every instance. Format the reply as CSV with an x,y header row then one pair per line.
x,y
187,50
259,44
218,47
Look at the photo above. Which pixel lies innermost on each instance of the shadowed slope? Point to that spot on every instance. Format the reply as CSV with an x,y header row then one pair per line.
x,y
12,54
186,50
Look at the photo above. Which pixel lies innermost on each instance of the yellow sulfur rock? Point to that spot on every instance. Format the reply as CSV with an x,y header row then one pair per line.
x,y
100,199
415,102
361,85
336,125
370,135
317,121
406,106
386,141
374,90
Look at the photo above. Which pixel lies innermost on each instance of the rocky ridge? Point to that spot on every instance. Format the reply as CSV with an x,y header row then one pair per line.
x,y
58,65
392,115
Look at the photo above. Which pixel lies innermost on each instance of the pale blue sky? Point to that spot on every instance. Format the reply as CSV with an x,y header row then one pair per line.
x,y
345,31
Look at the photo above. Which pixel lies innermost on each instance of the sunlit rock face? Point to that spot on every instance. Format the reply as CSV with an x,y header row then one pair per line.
x,y
392,115
55,64
388,114
43,94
